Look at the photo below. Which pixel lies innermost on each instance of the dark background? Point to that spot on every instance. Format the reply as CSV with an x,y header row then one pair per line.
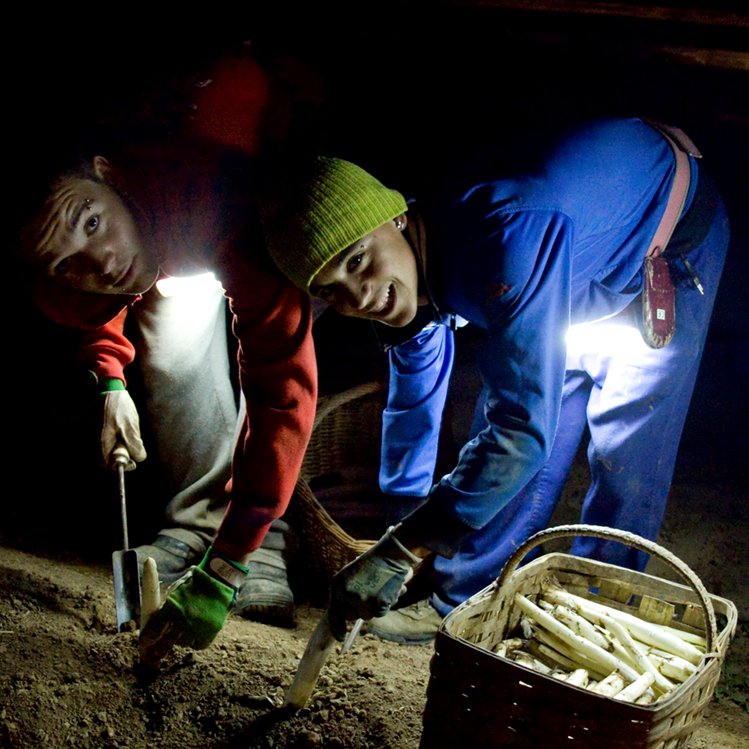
x,y
409,90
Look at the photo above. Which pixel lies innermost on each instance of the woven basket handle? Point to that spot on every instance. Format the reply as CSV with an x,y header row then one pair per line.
x,y
330,403
637,542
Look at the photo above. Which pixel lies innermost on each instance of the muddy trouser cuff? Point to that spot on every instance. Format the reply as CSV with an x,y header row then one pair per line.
x,y
277,546
197,542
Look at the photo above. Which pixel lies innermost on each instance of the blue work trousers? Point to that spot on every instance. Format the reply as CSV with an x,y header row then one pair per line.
x,y
634,401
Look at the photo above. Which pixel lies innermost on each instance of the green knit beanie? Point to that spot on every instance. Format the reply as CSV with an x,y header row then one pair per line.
x,y
337,204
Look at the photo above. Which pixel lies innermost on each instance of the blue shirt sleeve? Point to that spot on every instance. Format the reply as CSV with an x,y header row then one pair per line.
x,y
523,290
419,377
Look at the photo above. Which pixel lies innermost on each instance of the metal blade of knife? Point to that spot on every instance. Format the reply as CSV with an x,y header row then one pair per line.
x,y
351,636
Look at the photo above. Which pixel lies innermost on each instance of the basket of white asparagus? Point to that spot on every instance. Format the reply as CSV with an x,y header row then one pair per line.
x,y
570,652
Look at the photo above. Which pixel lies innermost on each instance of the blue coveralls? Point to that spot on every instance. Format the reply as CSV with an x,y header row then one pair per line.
x,y
525,258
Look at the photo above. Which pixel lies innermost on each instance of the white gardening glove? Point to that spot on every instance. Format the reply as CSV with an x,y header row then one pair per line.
x,y
120,426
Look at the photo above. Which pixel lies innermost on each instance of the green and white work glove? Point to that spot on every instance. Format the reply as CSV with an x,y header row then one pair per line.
x,y
370,584
120,424
195,609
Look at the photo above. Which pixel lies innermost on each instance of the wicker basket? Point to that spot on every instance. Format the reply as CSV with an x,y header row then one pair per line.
x,y
325,546
346,433
345,450
483,700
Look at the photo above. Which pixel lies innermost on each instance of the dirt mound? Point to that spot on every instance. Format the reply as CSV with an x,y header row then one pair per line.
x,y
69,680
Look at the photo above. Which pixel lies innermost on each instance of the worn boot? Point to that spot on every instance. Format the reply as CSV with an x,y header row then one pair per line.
x,y
173,557
416,624
265,595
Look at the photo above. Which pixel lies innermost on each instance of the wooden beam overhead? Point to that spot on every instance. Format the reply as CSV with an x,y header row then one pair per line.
x,y
684,14
712,58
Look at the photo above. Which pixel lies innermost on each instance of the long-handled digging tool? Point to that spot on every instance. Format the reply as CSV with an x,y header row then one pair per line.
x,y
125,562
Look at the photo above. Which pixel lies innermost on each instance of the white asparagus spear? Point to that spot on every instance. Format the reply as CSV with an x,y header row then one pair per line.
x,y
648,697
646,632
540,650
580,625
643,665
691,637
150,591
579,678
609,686
619,650
574,658
526,659
526,628
636,689
508,645
671,666
606,661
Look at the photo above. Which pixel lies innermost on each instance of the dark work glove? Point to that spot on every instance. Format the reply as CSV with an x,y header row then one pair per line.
x,y
370,584
195,609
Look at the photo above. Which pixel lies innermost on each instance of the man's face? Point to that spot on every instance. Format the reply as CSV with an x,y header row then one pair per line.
x,y
375,278
87,238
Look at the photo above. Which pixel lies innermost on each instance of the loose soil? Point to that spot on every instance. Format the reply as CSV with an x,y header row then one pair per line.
x,y
68,679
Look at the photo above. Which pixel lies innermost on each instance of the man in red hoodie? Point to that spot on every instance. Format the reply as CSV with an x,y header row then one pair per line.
x,y
108,230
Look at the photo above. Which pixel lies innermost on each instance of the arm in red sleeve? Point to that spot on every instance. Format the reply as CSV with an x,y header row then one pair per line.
x,y
106,351
278,374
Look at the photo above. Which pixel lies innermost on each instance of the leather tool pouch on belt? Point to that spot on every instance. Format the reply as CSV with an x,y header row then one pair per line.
x,y
658,320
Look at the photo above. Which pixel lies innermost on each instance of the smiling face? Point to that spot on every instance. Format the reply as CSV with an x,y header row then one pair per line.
x,y
375,278
86,237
